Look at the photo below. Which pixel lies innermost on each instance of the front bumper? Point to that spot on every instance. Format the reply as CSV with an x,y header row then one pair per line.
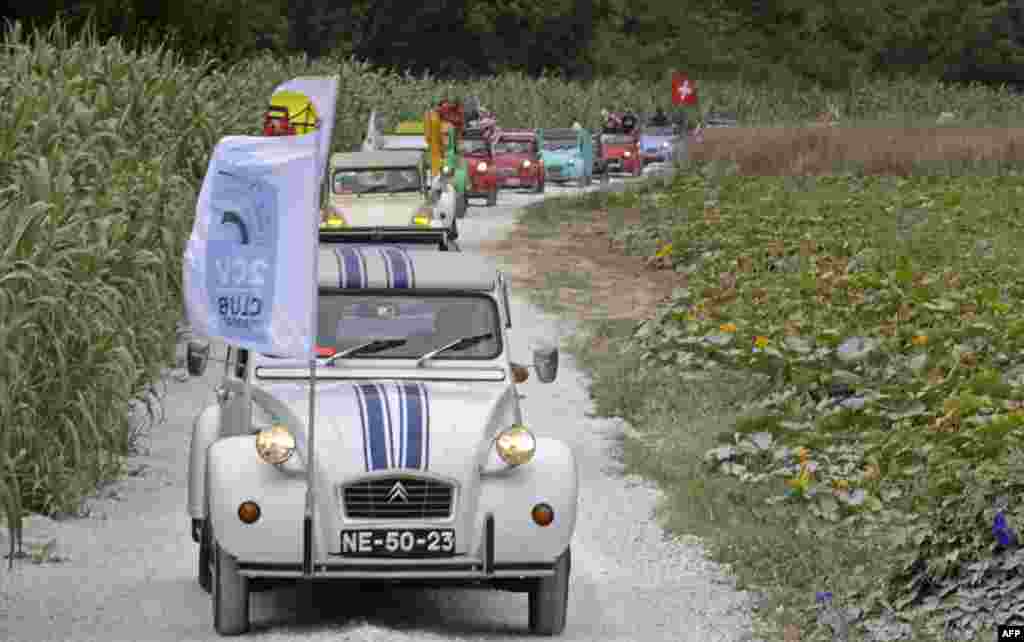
x,y
519,180
464,567
431,235
654,157
620,164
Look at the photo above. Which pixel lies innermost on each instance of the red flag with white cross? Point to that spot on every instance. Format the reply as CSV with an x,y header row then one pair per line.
x,y
684,90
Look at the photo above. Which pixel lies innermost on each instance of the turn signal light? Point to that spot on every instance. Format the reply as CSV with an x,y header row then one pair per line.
x,y
543,514
249,512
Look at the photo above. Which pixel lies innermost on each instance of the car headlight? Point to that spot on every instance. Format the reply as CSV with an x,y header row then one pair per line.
x,y
275,445
526,164
334,222
423,216
627,154
666,144
516,445
446,170
481,166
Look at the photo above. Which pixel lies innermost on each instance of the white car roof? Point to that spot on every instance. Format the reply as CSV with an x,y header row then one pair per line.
x,y
356,267
401,141
381,159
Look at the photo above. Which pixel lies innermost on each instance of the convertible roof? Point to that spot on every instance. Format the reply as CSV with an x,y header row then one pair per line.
x,y
359,267
518,134
562,132
351,160
404,142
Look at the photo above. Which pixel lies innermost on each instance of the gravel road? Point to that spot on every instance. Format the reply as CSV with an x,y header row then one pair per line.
x,y
131,570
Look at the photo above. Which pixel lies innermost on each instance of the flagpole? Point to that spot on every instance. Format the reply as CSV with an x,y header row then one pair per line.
x,y
308,533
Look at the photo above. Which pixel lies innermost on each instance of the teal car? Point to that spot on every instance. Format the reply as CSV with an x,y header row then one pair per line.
x,y
568,155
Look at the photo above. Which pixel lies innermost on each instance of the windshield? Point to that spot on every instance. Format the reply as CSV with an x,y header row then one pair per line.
x,y
658,131
425,322
514,147
559,145
616,139
474,146
364,181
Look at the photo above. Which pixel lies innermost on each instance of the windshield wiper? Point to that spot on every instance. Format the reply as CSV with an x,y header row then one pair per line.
x,y
367,348
459,344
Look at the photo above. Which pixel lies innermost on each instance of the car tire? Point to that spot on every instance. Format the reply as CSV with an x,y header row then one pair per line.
x,y
540,187
606,177
461,205
492,198
549,599
205,575
230,595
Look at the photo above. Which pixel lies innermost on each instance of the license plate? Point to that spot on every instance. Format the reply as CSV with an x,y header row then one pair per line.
x,y
512,182
415,542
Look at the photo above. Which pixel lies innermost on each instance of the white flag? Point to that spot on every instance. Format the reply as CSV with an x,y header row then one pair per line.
x,y
249,262
250,266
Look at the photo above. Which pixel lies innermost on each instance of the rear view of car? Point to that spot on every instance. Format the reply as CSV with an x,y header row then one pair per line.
x,y
518,160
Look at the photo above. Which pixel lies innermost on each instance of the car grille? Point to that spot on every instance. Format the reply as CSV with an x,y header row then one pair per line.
x,y
507,171
426,499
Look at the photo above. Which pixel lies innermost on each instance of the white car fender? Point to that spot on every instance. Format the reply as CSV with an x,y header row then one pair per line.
x,y
447,201
205,431
552,478
236,475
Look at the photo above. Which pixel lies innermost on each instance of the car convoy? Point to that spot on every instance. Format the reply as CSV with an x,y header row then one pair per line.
x,y
426,470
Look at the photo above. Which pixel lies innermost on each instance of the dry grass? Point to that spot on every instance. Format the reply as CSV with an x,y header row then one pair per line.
x,y
901,151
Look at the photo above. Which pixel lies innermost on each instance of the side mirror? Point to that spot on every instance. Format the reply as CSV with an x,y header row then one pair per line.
x,y
197,355
545,361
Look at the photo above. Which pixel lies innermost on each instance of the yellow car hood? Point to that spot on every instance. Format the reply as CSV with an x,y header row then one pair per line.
x,y
378,210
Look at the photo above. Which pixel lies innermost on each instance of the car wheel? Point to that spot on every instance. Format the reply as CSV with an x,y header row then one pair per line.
x,y
461,205
549,599
205,555
606,177
582,182
230,595
492,198
540,187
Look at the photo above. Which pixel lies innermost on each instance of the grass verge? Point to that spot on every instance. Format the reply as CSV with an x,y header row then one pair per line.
x,y
857,329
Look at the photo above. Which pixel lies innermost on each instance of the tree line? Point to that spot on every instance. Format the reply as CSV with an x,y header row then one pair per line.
x,y
828,42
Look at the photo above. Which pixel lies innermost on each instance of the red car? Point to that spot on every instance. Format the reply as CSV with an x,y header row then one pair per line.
x,y
620,145
483,175
517,155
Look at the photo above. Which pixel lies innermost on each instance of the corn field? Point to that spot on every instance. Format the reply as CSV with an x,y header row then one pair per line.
x,y
102,152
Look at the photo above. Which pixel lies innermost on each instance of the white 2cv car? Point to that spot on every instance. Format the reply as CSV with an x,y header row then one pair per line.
x,y
424,470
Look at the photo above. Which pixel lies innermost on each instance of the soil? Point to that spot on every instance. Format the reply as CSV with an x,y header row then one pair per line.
x,y
621,286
